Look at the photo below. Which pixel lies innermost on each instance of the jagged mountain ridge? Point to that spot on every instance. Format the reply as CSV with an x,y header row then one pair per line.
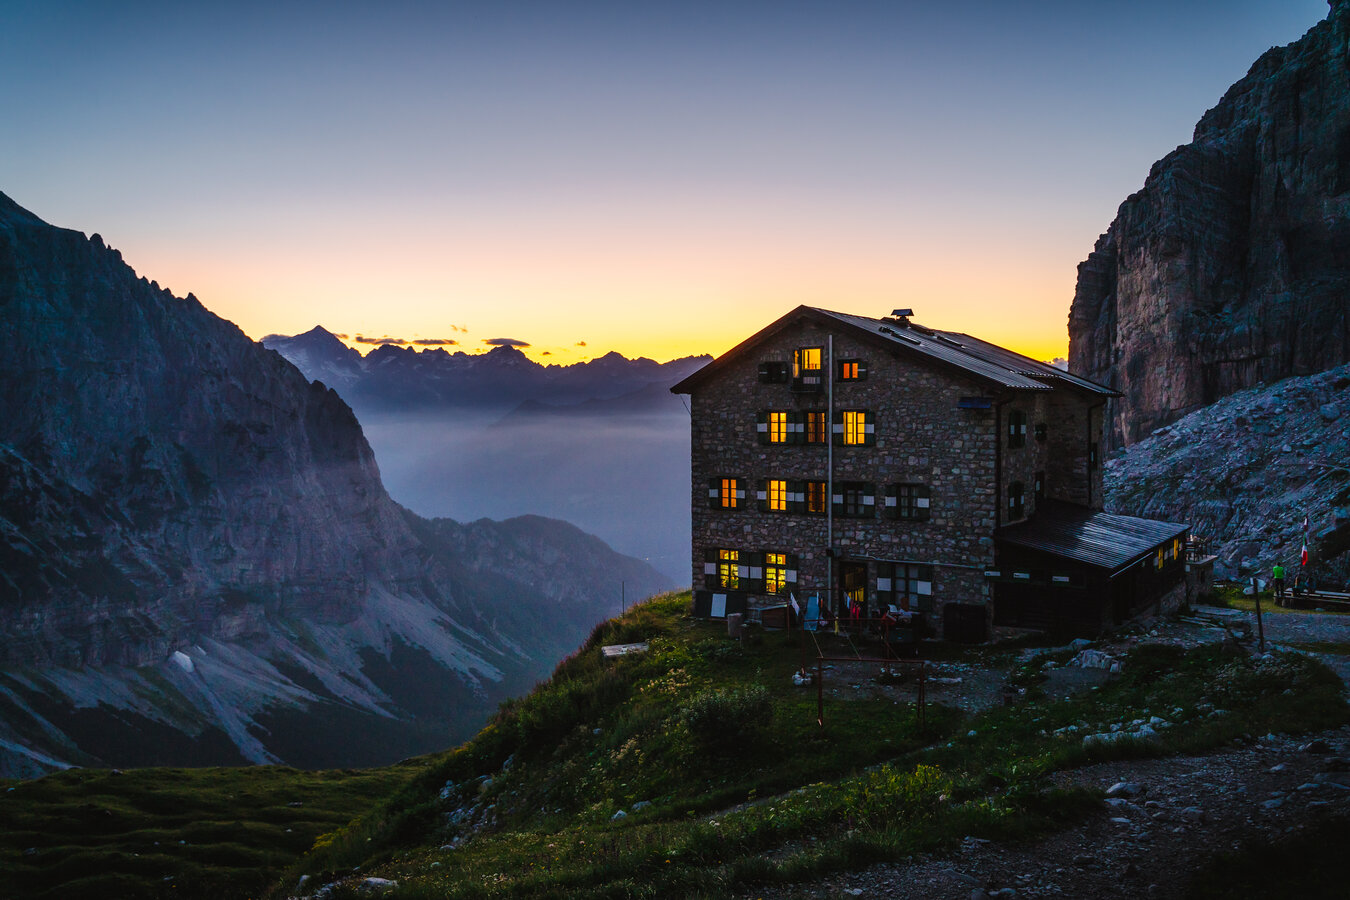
x,y
195,541
1244,471
392,378
1231,266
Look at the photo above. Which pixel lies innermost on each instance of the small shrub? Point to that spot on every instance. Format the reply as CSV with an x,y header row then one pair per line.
x,y
721,718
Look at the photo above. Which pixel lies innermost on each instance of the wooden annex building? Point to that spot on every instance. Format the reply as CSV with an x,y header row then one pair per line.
x,y
876,463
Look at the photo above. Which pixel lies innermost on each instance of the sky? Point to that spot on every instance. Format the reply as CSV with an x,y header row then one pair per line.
x,y
657,178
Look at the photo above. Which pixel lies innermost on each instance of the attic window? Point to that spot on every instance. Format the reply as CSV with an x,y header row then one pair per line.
x,y
773,373
852,370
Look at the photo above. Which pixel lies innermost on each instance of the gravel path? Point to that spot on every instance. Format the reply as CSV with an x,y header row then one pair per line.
x,y
1172,817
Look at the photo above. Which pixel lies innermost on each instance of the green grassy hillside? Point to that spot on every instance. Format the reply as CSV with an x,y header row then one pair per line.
x,y
698,768
158,833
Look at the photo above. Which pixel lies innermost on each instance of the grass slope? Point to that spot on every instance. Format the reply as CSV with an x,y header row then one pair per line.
x,y
158,833
697,768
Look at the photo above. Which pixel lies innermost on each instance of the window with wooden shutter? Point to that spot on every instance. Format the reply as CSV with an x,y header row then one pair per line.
x,y
885,584
773,373
775,573
776,495
728,570
1016,501
913,586
816,498
1039,486
710,568
911,502
855,500
816,426
726,493
807,368
854,428
777,426
1017,429
796,496
852,370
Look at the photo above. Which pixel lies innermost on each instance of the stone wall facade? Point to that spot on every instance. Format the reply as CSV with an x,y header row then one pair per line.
x,y
920,435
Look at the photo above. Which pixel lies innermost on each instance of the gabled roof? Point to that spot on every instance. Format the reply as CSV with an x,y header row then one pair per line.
x,y
981,359
1095,538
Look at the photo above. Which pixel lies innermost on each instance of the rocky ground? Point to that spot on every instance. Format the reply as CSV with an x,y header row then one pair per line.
x,y
1245,471
1164,818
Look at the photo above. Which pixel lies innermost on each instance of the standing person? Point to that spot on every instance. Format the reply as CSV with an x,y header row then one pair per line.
x,y
1277,579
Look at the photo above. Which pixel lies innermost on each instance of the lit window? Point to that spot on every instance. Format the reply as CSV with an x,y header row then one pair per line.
x,y
815,426
728,493
815,497
806,361
778,427
777,495
852,370
855,427
775,573
728,569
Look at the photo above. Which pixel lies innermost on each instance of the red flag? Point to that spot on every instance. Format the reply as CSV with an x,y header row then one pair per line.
x,y
1304,555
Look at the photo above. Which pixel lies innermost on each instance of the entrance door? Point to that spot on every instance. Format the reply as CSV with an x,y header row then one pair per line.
x,y
852,586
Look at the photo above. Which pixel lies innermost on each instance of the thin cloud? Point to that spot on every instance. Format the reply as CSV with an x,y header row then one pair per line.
x,y
434,342
505,342
547,353
581,343
341,337
379,341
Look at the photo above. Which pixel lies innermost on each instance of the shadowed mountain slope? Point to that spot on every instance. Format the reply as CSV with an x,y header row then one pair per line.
x,y
198,560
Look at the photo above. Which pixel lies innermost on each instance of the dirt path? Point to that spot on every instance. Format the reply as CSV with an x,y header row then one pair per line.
x,y
1174,816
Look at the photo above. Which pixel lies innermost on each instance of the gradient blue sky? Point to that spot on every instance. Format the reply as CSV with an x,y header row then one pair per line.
x,y
657,178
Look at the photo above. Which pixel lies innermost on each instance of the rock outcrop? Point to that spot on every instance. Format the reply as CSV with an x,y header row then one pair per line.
x,y
198,560
1231,267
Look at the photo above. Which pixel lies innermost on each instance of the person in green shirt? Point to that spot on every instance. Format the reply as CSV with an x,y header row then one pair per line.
x,y
1277,579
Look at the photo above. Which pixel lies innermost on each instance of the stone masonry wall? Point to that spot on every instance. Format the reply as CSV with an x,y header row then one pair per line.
x,y
922,436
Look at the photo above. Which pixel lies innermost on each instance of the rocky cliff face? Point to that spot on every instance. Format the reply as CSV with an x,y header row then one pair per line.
x,y
1232,265
198,561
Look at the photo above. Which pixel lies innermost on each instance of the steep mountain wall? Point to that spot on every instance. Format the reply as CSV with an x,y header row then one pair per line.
x,y
1231,267
198,560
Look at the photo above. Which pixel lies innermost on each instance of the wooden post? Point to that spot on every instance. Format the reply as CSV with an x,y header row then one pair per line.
x,y
820,692
1260,629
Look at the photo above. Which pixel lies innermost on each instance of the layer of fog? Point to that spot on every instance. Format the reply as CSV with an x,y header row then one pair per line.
x,y
624,478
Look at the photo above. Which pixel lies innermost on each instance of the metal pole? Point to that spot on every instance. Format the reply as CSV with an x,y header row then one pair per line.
x,y
829,470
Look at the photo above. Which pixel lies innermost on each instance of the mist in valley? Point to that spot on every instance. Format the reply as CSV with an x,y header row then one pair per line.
x,y
621,476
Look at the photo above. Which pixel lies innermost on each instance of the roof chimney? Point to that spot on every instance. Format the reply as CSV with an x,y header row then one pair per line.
x,y
900,317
